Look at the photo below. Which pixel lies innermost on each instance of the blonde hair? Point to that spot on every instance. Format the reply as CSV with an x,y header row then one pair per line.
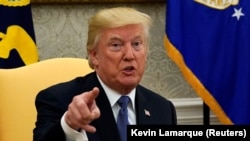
x,y
115,17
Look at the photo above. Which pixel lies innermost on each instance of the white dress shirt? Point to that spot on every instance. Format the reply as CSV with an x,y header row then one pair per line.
x,y
113,96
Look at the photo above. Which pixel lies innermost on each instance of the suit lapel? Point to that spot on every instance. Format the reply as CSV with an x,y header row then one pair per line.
x,y
106,124
142,108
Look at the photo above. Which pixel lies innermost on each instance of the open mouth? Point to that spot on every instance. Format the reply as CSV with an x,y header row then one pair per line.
x,y
129,70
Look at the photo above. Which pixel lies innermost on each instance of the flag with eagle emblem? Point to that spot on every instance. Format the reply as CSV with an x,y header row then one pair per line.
x,y
17,37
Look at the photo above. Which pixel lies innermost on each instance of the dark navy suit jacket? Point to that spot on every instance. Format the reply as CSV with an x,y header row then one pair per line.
x,y
51,104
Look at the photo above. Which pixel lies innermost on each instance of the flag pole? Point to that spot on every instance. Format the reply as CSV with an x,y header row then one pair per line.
x,y
206,114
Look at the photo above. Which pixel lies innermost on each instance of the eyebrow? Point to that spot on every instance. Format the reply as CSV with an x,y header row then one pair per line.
x,y
116,37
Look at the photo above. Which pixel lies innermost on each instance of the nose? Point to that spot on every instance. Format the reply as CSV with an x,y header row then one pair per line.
x,y
129,52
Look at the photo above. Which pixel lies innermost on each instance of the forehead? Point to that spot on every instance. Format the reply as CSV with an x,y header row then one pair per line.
x,y
128,32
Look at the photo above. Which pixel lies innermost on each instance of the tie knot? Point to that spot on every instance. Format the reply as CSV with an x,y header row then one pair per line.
x,y
123,101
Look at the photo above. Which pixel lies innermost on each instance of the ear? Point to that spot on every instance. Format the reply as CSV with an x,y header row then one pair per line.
x,y
93,57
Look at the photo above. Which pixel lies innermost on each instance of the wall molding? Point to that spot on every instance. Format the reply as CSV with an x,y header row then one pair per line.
x,y
190,112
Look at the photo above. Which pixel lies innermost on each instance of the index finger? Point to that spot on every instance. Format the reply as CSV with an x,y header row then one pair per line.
x,y
90,96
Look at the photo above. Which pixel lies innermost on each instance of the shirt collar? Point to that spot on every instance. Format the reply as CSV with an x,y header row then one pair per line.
x,y
113,96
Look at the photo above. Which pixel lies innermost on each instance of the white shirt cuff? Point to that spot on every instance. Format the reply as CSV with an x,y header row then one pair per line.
x,y
71,134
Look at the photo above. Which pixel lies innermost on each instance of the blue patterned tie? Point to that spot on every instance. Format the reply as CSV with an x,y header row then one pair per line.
x,y
122,119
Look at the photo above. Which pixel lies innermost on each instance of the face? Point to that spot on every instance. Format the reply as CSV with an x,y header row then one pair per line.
x,y
120,57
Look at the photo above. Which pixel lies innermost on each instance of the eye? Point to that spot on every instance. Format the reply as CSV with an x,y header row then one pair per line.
x,y
137,45
115,46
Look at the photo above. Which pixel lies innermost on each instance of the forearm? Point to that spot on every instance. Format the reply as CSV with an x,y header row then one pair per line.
x,y
49,133
49,114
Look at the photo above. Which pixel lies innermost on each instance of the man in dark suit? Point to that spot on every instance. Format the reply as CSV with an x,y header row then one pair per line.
x,y
86,108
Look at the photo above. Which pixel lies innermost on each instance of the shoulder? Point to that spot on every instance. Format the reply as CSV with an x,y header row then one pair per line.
x,y
151,95
67,89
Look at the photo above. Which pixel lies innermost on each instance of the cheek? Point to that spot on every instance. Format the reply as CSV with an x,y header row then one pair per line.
x,y
142,57
107,61
141,62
